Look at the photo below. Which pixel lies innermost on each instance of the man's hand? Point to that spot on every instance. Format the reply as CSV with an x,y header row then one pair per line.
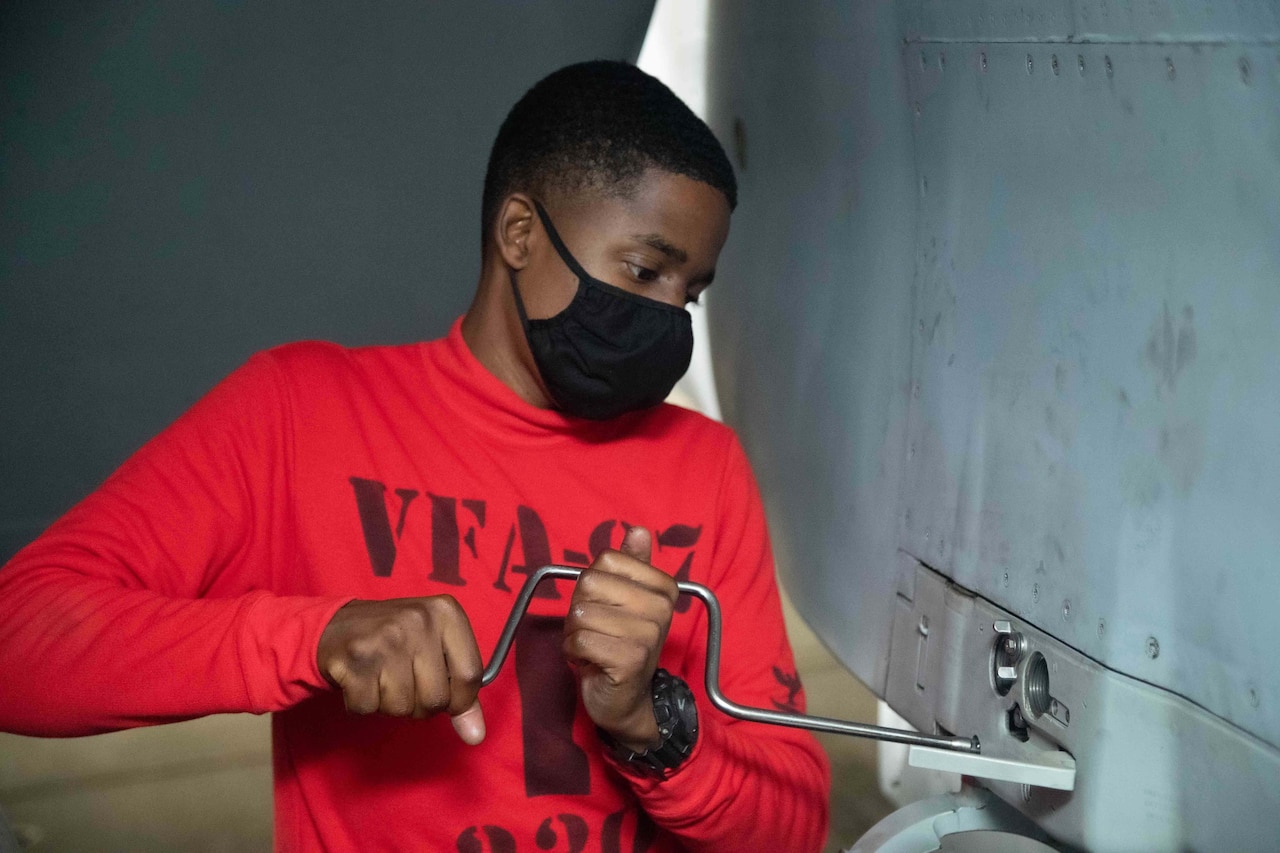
x,y
617,623
408,657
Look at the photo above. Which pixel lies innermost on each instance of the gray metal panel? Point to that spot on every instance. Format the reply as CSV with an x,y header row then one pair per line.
x,y
1095,407
185,183
814,296
1008,302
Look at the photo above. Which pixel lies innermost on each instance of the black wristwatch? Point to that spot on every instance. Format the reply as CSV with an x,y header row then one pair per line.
x,y
677,718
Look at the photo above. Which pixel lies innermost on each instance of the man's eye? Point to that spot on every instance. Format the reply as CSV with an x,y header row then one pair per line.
x,y
642,273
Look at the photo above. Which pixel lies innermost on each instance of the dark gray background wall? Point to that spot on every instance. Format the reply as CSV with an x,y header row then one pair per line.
x,y
182,184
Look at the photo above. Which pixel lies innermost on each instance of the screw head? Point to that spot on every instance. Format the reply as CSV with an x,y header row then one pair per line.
x,y
1066,608
1035,592
1153,648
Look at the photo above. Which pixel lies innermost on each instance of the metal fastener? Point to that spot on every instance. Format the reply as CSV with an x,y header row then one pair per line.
x,y
1106,61
1153,648
1053,63
982,60
1031,66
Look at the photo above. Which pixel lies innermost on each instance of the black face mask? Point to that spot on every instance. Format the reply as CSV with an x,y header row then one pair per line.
x,y
610,351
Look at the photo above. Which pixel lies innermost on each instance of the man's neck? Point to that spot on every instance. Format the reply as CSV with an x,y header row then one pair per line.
x,y
492,331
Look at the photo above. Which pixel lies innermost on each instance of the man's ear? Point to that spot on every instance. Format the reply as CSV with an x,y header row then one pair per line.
x,y
512,228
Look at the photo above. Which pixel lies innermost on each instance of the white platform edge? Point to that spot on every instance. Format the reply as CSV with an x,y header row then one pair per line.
x,y
1053,769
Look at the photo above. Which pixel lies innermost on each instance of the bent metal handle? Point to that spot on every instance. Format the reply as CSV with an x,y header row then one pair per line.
x,y
733,709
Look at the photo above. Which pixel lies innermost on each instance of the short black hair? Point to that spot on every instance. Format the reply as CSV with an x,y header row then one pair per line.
x,y
598,126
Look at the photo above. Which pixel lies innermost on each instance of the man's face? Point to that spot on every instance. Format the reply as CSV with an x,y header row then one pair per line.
x,y
661,242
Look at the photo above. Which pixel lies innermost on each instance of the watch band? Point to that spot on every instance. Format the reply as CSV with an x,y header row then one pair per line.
x,y
677,718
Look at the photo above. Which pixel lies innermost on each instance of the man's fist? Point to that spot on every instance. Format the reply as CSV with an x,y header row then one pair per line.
x,y
617,623
408,657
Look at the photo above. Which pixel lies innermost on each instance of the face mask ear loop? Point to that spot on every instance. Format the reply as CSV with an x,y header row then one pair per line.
x,y
515,289
561,249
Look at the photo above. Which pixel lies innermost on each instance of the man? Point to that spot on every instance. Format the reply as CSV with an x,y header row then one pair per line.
x,y
337,536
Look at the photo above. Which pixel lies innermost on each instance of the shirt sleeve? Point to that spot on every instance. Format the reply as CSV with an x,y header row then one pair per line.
x,y
745,786
149,601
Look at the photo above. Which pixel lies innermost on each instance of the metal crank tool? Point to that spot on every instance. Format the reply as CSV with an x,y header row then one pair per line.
x,y
728,706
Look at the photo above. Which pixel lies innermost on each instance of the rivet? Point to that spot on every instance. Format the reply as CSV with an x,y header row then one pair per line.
x,y
1066,609
1031,66
1080,63
1053,707
982,60
1102,627
924,184
917,107
924,625
1245,70
922,324
1111,71
1253,697
1170,71
1006,578
1035,592
942,61
1053,63
1153,648
911,453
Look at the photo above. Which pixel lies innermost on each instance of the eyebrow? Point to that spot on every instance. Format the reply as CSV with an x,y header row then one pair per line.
x,y
663,245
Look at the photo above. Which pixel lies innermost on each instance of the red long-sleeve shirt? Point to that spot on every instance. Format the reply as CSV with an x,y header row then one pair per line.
x,y
199,578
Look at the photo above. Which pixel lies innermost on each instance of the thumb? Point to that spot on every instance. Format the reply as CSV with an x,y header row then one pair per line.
x,y
638,544
470,725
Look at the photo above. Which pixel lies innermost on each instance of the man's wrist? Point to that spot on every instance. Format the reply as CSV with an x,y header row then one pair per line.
x,y
676,719
640,732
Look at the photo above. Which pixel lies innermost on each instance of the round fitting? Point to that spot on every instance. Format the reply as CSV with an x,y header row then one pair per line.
x,y
1037,686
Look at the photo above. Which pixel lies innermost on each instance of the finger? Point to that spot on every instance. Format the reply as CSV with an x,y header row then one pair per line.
x,y
620,659
615,578
359,692
396,694
470,725
647,628
461,657
431,681
638,544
